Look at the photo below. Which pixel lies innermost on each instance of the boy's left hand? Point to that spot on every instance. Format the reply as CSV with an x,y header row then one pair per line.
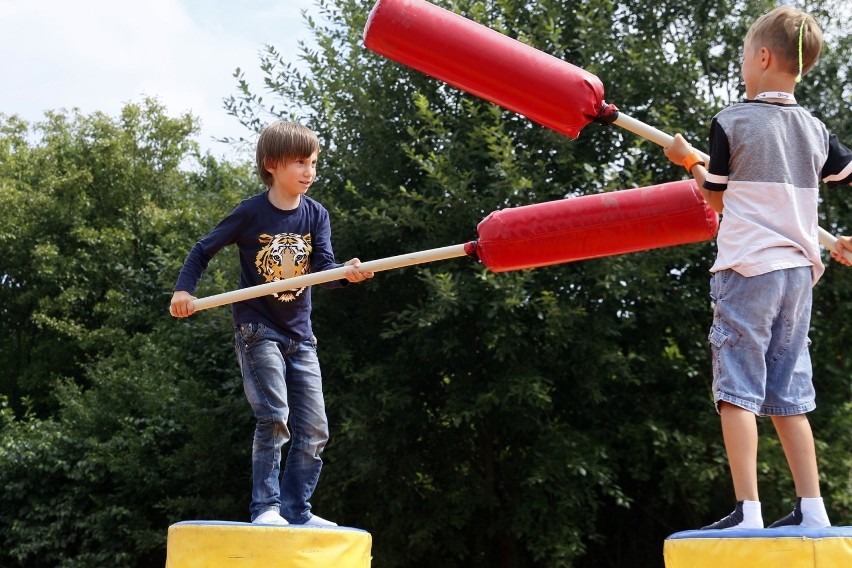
x,y
352,274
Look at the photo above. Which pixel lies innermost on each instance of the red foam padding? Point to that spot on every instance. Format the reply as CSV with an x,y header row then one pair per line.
x,y
593,226
485,63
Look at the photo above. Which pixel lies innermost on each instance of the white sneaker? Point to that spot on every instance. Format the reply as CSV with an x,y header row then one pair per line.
x,y
316,521
270,518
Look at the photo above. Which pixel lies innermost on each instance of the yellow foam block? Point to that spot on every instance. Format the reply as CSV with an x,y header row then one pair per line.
x,y
750,548
222,544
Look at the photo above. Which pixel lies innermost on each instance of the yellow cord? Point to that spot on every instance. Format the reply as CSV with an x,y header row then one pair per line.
x,y
801,34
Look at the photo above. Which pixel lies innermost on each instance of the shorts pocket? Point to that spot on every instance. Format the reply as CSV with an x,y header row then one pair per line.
x,y
720,335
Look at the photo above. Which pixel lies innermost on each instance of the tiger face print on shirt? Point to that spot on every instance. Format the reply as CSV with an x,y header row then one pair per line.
x,y
284,256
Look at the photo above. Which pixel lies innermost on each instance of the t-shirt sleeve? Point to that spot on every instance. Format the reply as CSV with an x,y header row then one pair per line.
x,y
838,167
322,255
224,234
720,159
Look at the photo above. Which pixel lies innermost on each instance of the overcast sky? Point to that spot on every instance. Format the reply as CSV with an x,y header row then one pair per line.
x,y
97,55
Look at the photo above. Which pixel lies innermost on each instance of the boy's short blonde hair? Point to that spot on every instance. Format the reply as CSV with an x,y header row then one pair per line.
x,y
283,142
778,31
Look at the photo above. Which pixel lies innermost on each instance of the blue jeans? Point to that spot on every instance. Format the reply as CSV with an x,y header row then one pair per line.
x,y
283,385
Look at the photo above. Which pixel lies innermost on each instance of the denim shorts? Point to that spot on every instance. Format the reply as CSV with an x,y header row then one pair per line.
x,y
759,340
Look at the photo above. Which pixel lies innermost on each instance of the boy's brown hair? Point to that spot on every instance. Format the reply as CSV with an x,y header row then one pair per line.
x,y
779,31
283,142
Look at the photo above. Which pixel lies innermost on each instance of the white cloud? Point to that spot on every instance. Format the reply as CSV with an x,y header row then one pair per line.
x,y
97,55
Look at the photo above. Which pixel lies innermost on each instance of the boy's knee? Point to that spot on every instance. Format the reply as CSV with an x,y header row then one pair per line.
x,y
276,425
312,441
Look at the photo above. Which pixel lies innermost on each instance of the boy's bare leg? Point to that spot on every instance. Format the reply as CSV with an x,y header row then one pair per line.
x,y
739,429
797,440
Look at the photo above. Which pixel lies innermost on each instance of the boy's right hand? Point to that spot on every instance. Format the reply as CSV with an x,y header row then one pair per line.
x,y
679,150
843,244
181,305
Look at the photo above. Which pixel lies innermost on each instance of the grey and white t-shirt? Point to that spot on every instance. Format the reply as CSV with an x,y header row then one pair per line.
x,y
769,158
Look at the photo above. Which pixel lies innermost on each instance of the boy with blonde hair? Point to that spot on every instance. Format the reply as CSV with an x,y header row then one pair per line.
x,y
280,233
767,157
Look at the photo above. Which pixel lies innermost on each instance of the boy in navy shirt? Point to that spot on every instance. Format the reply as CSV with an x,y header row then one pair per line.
x,y
280,233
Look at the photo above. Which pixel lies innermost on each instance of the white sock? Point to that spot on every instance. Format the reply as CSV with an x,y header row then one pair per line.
x,y
814,513
752,516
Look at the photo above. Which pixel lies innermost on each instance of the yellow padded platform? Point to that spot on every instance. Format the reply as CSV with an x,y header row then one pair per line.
x,y
223,544
753,548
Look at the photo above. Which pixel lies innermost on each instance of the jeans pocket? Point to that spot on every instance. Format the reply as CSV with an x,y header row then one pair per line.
x,y
251,332
718,284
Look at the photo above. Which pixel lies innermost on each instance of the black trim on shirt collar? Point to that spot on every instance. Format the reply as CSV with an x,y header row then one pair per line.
x,y
785,105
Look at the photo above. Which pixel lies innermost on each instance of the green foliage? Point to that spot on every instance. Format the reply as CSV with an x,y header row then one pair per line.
x,y
131,454
125,420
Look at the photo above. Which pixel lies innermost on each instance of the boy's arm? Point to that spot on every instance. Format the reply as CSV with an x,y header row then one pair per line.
x,y
193,267
198,259
323,256
678,152
838,171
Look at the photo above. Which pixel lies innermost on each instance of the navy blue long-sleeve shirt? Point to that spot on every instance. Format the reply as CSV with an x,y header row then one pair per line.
x,y
273,244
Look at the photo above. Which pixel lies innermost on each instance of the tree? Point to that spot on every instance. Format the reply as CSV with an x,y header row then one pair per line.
x,y
115,420
75,247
